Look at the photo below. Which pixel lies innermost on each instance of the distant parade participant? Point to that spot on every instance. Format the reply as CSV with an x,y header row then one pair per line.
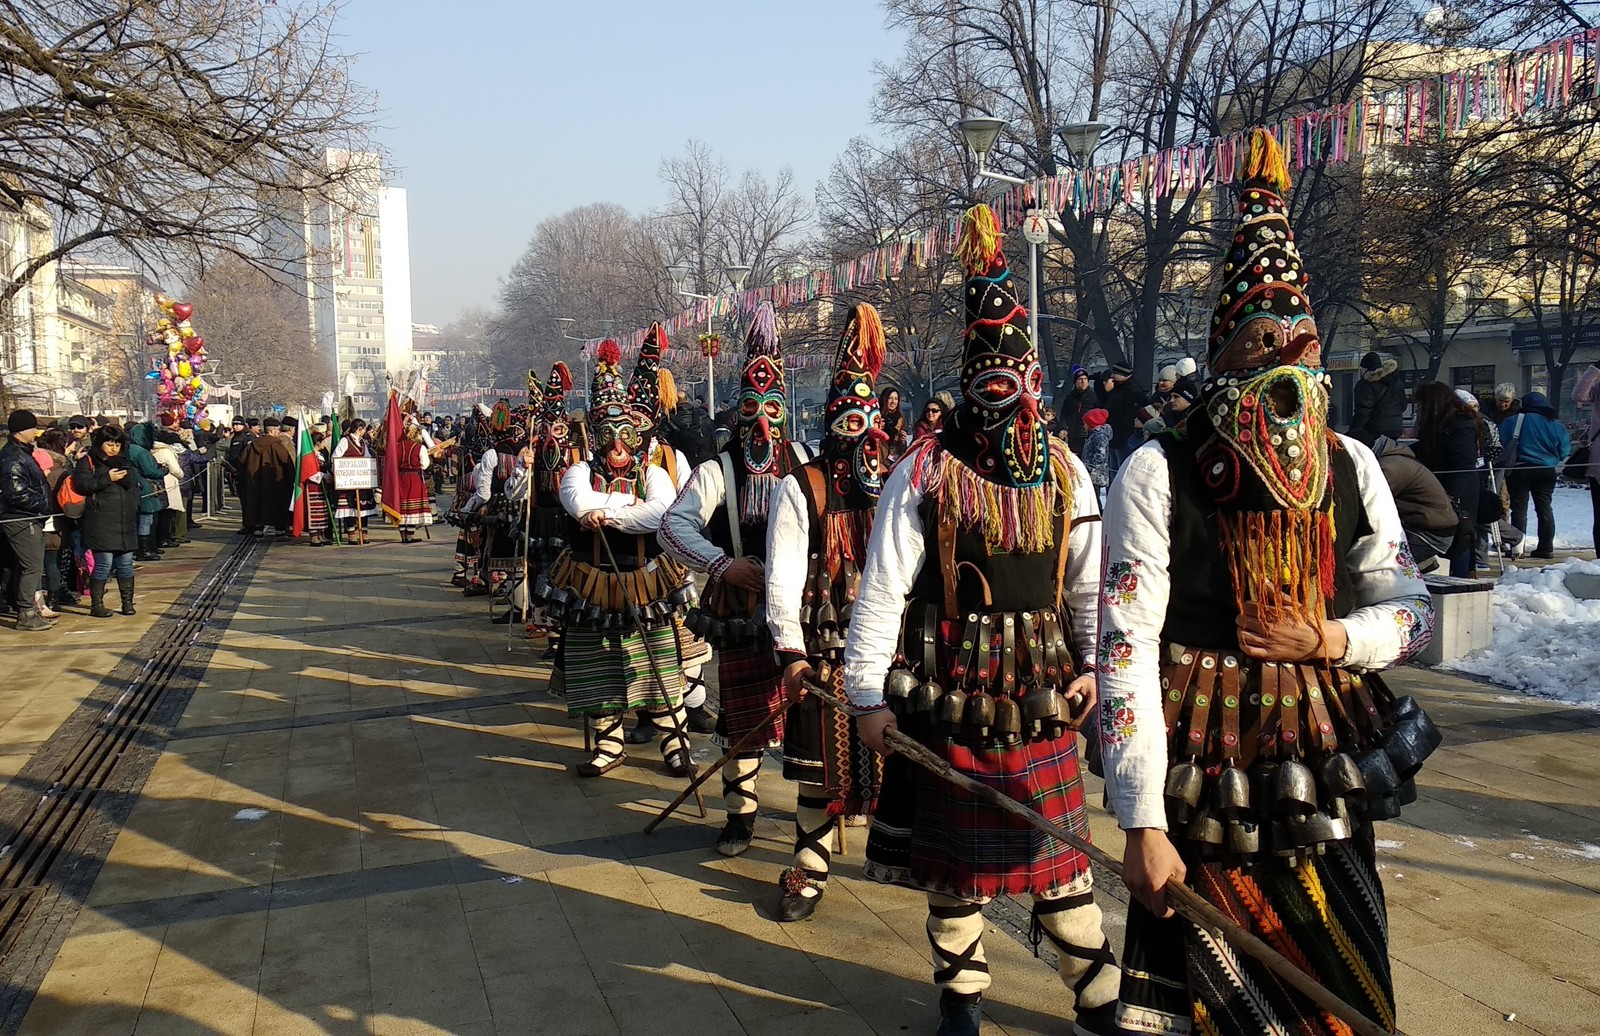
x,y
475,439
269,472
983,575
817,536
496,515
353,443
718,526
553,451
653,394
1256,576
610,665
311,506
412,508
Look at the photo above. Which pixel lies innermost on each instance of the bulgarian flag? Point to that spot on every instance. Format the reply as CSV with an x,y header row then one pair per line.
x,y
302,450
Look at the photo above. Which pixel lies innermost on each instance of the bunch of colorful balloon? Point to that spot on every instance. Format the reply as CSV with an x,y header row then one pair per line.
x,y
180,393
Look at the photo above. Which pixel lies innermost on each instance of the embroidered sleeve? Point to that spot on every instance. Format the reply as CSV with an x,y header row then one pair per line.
x,y
1133,597
1393,618
894,557
788,550
683,527
1081,582
641,516
579,497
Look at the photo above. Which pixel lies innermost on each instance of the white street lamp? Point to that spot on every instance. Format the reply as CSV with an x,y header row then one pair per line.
x,y
563,325
1080,139
736,274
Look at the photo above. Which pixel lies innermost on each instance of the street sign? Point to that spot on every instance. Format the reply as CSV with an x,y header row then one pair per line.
x,y
1036,226
355,473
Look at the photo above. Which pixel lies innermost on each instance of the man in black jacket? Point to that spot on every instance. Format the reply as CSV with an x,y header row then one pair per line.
x,y
1123,404
1380,401
1079,401
24,505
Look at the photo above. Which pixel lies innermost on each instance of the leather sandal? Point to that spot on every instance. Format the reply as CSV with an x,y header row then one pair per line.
x,y
737,834
795,904
588,768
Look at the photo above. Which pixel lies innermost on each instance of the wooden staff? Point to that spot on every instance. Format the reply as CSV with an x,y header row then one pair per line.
x,y
1185,901
644,637
741,745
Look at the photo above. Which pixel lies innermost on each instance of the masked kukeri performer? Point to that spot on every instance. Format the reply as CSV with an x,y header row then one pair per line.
x,y
499,517
609,667
653,394
982,574
550,528
816,543
475,439
718,526
1256,577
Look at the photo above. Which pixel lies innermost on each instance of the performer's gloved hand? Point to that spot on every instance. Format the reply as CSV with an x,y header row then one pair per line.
x,y
746,574
1149,862
1289,638
1082,694
794,674
873,726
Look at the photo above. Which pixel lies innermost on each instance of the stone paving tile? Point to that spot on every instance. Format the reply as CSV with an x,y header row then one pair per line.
x,y
441,871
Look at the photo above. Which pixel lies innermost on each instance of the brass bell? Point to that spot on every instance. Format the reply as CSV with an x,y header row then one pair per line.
x,y
1205,828
1244,838
1041,706
1185,782
951,706
1233,789
1378,775
926,697
900,683
1007,720
845,613
979,714
1295,789
827,619
1343,787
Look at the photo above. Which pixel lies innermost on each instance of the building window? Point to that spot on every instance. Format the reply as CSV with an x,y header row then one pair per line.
x,y
1477,379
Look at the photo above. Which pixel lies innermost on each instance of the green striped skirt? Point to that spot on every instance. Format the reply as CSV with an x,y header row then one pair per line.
x,y
610,671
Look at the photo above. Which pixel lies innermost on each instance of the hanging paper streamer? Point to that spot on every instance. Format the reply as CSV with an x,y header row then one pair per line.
x,y
1546,78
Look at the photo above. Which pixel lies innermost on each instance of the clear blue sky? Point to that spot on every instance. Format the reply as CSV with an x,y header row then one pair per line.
x,y
499,113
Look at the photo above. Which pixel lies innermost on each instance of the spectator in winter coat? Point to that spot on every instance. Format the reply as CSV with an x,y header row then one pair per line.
x,y
1426,513
1166,381
111,517
1122,405
1380,400
24,505
894,421
1506,403
1587,393
152,487
690,430
1447,443
1076,403
1542,443
1096,454
1188,376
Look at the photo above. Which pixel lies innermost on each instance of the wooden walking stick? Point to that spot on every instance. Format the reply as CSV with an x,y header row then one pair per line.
x,y
637,611
738,746
1185,901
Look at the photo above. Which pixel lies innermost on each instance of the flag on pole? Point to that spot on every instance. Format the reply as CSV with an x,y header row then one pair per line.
x,y
302,449
389,474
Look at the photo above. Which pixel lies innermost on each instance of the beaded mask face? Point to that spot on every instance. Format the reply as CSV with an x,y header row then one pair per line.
x,y
763,416
856,443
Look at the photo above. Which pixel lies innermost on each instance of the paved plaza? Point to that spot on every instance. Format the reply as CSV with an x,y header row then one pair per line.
x,y
350,810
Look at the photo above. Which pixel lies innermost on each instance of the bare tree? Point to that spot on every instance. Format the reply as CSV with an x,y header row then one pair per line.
x,y
256,331
171,128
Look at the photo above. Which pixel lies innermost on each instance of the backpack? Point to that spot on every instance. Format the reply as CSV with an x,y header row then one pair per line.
x,y
71,502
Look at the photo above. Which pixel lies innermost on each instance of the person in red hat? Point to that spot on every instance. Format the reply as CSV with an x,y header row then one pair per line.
x,y
1256,579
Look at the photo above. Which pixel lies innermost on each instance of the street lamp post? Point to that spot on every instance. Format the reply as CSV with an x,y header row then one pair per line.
x,y
563,325
736,274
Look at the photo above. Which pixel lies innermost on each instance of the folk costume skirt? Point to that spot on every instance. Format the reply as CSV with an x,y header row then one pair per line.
x,y
821,747
932,835
611,671
415,505
1326,915
750,688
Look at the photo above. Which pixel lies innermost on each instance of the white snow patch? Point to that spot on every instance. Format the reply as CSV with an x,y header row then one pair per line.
x,y
251,814
1574,516
1389,843
1521,856
1543,642
1464,842
512,879
1584,851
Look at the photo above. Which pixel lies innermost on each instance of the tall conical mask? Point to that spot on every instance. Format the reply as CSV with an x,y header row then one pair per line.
x,y
652,392
996,429
615,423
854,442
763,415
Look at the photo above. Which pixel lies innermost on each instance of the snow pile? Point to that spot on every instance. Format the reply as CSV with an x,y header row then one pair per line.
x,y
1574,514
1544,640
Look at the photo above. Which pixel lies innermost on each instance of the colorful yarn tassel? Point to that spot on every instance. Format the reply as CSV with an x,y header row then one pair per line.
x,y
979,244
1264,162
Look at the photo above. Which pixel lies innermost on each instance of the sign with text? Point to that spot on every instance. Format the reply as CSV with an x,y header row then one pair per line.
x,y
355,473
